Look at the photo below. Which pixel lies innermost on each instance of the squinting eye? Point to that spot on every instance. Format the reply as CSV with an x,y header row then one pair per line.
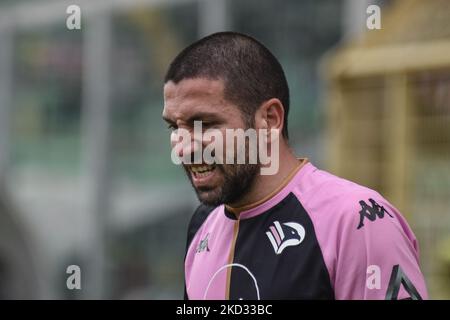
x,y
207,124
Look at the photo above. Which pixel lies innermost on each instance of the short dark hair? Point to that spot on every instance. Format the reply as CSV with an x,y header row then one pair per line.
x,y
250,71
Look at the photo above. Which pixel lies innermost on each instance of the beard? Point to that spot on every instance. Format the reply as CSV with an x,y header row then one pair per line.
x,y
237,181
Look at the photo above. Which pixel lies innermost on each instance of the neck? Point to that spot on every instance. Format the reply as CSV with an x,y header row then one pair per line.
x,y
265,185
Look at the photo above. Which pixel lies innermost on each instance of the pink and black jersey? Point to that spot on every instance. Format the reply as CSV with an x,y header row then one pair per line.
x,y
318,237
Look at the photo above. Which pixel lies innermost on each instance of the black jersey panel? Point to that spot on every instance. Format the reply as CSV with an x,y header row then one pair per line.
x,y
277,256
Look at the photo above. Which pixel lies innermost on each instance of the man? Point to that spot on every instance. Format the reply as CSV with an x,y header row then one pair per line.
x,y
300,233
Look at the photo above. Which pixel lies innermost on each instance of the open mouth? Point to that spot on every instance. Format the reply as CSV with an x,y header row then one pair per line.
x,y
202,171
204,175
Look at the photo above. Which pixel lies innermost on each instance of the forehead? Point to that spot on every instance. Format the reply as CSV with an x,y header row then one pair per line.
x,y
191,95
193,88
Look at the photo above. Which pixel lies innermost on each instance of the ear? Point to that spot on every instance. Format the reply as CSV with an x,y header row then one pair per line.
x,y
270,115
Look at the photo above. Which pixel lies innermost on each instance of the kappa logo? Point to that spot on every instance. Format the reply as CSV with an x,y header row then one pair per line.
x,y
371,212
287,235
203,245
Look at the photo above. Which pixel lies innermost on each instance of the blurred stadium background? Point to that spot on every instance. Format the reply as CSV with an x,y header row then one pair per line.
x,y
85,169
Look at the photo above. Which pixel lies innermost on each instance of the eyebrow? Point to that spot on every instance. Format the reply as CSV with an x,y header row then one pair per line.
x,y
195,117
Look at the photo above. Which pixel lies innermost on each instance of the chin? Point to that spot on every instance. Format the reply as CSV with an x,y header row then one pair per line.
x,y
209,198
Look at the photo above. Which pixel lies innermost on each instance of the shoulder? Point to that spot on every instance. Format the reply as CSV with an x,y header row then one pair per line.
x,y
339,205
326,193
357,216
359,231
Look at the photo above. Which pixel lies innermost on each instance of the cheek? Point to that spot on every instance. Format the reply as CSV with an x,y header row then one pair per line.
x,y
227,170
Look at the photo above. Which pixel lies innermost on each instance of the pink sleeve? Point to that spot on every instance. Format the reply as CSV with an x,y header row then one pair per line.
x,y
377,253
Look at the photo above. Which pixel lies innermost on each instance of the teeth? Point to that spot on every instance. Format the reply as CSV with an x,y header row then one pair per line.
x,y
202,174
201,169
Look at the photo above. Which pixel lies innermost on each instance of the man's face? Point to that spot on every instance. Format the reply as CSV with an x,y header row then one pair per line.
x,y
203,100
